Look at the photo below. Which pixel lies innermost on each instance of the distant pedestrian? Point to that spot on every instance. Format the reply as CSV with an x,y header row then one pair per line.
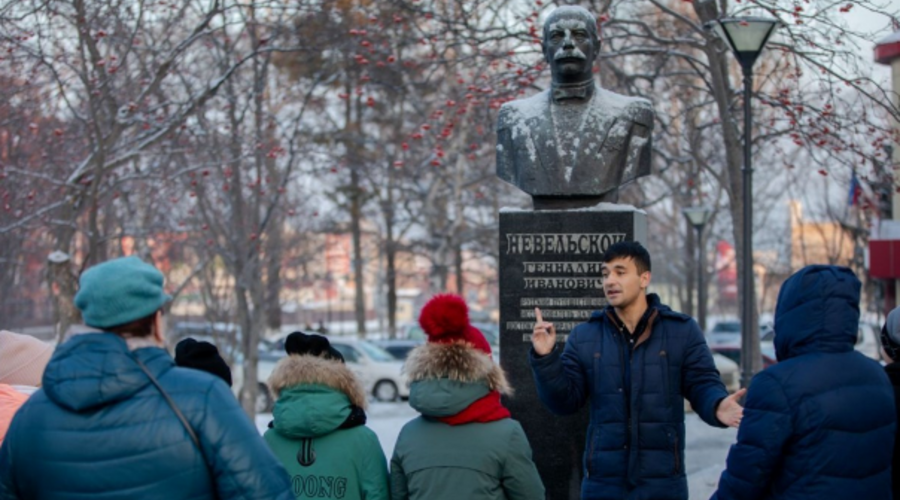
x,y
319,430
22,362
22,359
116,419
10,402
465,445
201,355
890,342
819,424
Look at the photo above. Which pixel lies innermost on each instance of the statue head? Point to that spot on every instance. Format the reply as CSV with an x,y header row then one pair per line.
x,y
570,44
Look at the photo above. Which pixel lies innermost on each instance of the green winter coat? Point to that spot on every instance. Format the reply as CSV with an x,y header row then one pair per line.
x,y
476,461
324,460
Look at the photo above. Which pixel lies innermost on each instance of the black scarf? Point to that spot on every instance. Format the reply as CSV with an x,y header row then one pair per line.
x,y
356,418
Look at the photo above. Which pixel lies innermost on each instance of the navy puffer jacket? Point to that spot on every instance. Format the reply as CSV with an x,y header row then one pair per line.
x,y
819,424
99,429
635,443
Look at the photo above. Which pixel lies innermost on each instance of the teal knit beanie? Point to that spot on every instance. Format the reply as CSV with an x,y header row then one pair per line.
x,y
119,291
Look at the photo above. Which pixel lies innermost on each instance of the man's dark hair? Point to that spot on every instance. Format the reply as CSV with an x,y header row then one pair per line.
x,y
626,249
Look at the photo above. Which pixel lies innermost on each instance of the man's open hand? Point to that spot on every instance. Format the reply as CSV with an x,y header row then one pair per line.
x,y
543,337
729,411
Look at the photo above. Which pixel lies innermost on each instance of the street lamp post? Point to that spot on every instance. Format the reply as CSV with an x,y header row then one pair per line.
x,y
698,217
746,37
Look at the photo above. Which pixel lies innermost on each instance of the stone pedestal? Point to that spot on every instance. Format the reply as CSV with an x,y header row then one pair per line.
x,y
551,259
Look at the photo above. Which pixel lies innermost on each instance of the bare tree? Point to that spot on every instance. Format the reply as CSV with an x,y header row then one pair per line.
x,y
810,85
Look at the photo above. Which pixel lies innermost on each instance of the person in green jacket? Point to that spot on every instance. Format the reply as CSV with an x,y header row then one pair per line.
x,y
464,445
319,431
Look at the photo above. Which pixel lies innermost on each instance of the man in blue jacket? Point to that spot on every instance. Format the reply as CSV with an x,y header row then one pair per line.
x,y
819,424
634,360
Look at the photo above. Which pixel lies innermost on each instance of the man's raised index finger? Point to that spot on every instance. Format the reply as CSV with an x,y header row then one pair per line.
x,y
537,315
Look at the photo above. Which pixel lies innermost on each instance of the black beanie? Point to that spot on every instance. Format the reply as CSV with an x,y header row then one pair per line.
x,y
202,356
891,347
299,344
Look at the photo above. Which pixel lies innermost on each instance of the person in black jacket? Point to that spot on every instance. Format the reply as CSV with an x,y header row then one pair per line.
x,y
633,362
890,343
820,424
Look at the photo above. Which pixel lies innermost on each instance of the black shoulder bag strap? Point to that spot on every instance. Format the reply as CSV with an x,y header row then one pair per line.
x,y
165,395
184,420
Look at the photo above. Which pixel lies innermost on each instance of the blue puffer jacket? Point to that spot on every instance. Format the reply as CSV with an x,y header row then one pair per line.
x,y
819,424
635,443
99,429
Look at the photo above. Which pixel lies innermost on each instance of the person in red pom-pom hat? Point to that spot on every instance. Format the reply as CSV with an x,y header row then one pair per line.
x,y
445,319
465,445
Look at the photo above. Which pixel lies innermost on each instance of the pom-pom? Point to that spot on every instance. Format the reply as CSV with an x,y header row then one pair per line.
x,y
445,315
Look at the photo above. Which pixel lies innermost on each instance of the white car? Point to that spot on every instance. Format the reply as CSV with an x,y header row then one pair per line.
x,y
730,373
379,372
724,331
264,365
868,341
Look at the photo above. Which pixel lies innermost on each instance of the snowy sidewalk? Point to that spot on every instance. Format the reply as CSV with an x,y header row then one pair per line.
x,y
706,447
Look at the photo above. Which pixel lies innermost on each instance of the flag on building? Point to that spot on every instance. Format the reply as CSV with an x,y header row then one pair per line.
x,y
855,190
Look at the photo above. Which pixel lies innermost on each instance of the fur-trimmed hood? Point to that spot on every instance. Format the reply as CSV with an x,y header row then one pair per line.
x,y
301,370
455,361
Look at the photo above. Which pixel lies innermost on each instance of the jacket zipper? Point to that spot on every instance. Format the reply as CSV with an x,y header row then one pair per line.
x,y
626,390
664,366
591,453
594,433
677,455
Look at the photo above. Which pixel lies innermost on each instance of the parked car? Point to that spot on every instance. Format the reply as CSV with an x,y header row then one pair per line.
x,y
377,369
225,336
266,362
399,348
733,352
867,341
490,331
724,331
730,373
380,373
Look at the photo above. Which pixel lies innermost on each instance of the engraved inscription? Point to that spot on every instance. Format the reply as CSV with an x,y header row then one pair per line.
x,y
551,265
556,243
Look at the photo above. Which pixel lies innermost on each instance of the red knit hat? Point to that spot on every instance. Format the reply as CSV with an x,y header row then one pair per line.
x,y
445,319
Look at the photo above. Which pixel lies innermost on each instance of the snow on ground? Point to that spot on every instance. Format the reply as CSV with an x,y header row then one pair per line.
x,y
706,447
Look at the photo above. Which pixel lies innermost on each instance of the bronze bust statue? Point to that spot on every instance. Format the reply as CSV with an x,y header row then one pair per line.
x,y
575,144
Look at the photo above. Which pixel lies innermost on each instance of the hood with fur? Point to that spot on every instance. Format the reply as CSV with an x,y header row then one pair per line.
x,y
313,370
315,396
458,362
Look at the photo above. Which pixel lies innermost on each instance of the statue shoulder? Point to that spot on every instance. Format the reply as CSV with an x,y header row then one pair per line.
x,y
641,111
638,109
523,109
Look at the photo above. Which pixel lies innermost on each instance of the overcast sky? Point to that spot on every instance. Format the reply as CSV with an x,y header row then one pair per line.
x,y
880,26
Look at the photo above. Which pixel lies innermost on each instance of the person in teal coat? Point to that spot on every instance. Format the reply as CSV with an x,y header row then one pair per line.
x,y
319,431
464,445
100,428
